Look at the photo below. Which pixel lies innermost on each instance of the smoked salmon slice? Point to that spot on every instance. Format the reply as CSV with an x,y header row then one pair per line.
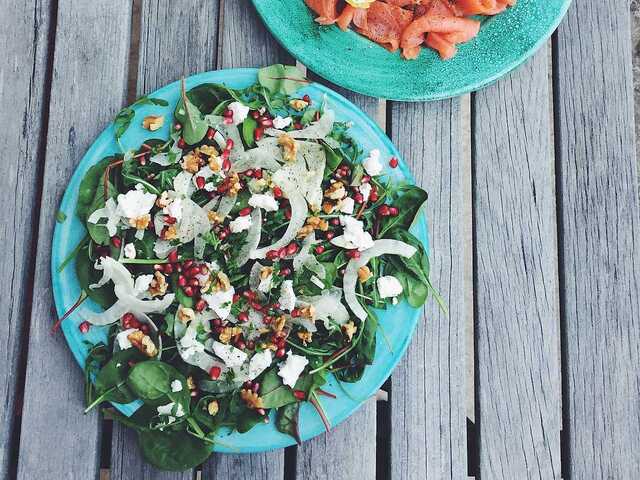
x,y
385,24
327,10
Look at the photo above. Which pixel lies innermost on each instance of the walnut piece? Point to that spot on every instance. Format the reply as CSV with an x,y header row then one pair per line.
x,y
306,337
153,122
298,104
140,223
186,314
289,147
213,408
159,285
364,274
143,343
191,162
349,329
251,398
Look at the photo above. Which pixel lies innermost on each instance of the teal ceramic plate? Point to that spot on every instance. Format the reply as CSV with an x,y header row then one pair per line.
x,y
398,323
354,62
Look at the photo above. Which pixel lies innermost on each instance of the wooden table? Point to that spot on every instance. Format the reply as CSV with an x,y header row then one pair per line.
x,y
534,223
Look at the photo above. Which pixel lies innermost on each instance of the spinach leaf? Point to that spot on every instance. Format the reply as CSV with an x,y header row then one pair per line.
x,y
248,127
273,392
90,183
194,128
217,387
207,96
123,121
409,205
280,78
417,264
114,374
333,159
151,382
414,290
287,421
172,450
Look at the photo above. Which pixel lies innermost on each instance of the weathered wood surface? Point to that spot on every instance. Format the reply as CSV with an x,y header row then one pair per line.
x,y
24,28
599,224
516,286
351,446
245,43
56,440
176,40
428,418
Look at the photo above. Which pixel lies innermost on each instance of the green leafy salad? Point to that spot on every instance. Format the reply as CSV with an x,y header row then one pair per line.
x,y
238,263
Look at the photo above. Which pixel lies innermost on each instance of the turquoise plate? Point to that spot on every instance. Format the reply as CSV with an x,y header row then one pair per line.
x,y
398,322
354,62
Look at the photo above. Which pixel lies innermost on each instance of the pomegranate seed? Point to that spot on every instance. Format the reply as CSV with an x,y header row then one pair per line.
x,y
393,211
291,248
235,298
193,271
215,372
168,268
285,272
127,317
135,323
182,281
188,291
255,387
201,305
335,222
194,282
211,133
249,173
173,256
373,196
216,322
393,163
227,113
353,254
329,235
187,264
158,267
241,345
276,305
383,210
255,305
229,144
247,385
358,198
255,114
84,327
168,219
177,126
144,328
295,313
116,242
243,317
258,133
266,122
271,255
182,144
251,345
281,343
219,329
267,319
299,394
280,353
257,174
319,249
223,234
365,179
249,295
245,211
200,182
287,214
307,99
297,126
282,252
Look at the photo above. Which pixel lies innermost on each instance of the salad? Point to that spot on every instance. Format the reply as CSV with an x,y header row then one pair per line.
x,y
408,24
238,263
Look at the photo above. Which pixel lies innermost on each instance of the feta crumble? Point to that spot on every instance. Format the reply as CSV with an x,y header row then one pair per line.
x,y
372,164
168,409
389,286
287,298
258,364
130,250
136,203
365,190
263,201
230,355
142,283
240,112
122,340
347,205
354,236
281,123
291,369
176,386
240,224
220,302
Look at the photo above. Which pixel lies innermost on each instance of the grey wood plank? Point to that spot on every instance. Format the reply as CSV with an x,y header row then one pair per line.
x,y
516,288
88,88
599,225
245,43
176,39
428,389
360,429
24,28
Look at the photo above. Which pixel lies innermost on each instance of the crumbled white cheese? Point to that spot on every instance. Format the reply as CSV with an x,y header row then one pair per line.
x,y
287,298
240,112
266,202
230,355
168,409
291,369
142,283
240,224
122,340
347,205
365,190
265,284
258,364
354,236
176,386
111,212
281,123
220,302
130,250
136,203
372,164
389,286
